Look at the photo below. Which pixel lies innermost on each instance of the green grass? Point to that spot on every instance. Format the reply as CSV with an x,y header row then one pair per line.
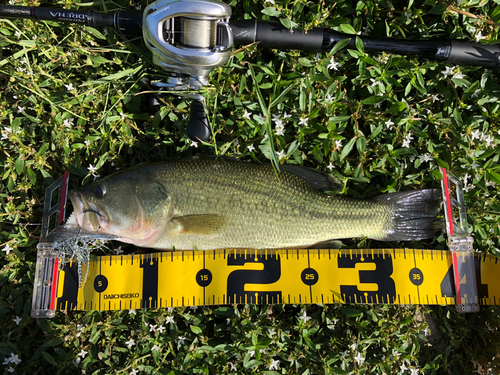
x,y
70,98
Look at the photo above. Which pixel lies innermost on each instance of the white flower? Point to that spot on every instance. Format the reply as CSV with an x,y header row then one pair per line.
x,y
130,343
79,329
82,354
87,143
303,121
488,139
279,130
161,329
14,358
194,144
425,158
458,75
435,97
247,114
5,133
279,122
274,365
7,249
378,105
448,71
338,143
152,327
10,369
476,93
304,317
403,368
134,372
194,308
333,64
329,98
68,122
155,347
92,169
6,361
478,37
17,320
475,135
406,142
359,359
132,311
330,166
383,59
269,1
20,109
426,331
389,123
281,154
233,366
251,148
170,319
181,340
17,34
69,87
285,116
414,371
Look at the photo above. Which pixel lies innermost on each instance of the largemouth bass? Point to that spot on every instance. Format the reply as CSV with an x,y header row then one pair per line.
x,y
218,203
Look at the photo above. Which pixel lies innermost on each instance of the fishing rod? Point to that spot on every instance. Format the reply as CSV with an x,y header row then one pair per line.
x,y
189,38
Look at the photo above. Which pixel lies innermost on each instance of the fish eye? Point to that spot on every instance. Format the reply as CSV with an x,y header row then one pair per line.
x,y
99,191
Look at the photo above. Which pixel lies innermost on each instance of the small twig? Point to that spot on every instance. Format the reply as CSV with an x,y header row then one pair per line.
x,y
469,14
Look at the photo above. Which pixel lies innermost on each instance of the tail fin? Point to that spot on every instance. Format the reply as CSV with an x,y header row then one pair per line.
x,y
414,214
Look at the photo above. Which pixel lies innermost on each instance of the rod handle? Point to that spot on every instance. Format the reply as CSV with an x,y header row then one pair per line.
x,y
274,35
470,53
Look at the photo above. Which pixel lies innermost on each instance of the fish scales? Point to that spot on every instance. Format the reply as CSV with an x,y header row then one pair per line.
x,y
264,211
224,203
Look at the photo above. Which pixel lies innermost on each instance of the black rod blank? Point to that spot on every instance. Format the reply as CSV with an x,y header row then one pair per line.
x,y
128,22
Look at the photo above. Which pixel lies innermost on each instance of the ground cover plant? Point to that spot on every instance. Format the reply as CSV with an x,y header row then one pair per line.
x,y
72,98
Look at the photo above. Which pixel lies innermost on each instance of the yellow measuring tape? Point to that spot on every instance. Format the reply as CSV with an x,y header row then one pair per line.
x,y
173,279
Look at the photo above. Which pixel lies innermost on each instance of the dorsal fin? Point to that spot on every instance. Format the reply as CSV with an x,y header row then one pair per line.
x,y
317,179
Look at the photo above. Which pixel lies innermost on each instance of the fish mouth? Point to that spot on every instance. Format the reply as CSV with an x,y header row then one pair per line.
x,y
85,213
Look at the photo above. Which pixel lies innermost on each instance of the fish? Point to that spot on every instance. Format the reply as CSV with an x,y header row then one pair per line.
x,y
225,203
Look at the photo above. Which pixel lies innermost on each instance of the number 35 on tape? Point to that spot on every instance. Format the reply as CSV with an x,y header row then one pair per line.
x,y
381,276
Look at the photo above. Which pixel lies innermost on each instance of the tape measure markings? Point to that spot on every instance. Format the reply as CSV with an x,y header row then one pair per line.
x,y
288,276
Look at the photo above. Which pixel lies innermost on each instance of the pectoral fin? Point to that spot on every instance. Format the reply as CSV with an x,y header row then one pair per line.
x,y
199,224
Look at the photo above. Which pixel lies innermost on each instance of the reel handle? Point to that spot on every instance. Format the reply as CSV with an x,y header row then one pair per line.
x,y
198,128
